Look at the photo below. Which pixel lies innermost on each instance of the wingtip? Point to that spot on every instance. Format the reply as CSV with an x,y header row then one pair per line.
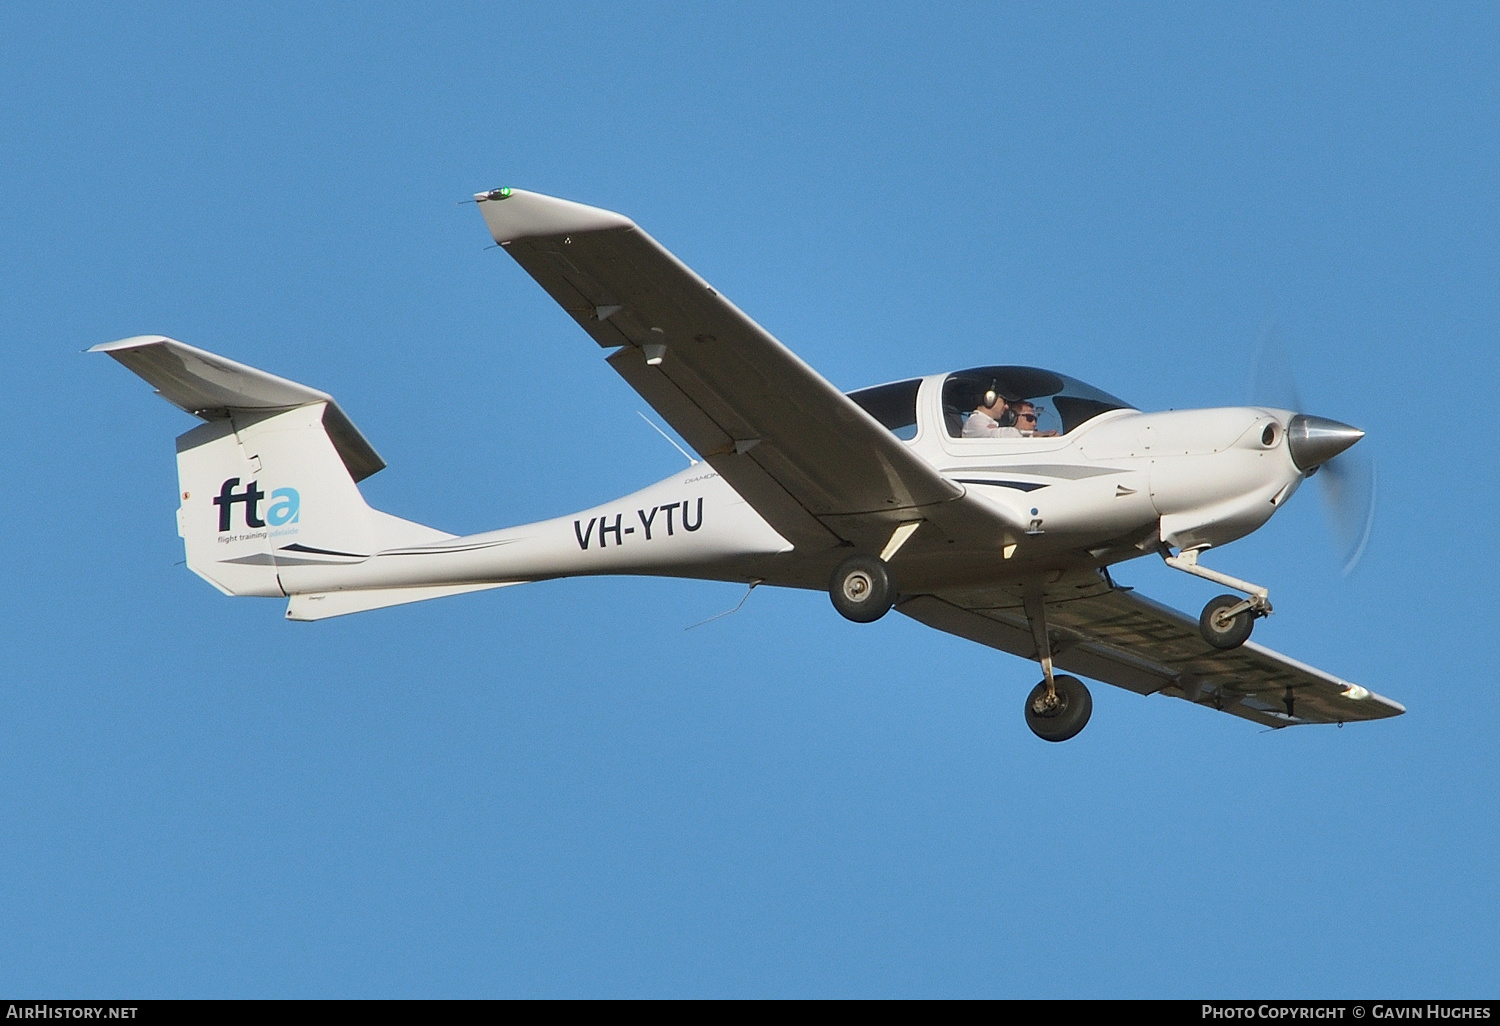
x,y
133,342
512,214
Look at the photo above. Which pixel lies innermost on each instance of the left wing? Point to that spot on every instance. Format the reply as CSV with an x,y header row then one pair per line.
x,y
1114,635
811,462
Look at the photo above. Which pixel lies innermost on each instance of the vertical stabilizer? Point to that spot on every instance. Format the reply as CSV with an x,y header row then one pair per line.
x,y
262,491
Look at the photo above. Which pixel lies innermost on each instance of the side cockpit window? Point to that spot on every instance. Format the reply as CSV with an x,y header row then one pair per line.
x,y
894,405
1058,402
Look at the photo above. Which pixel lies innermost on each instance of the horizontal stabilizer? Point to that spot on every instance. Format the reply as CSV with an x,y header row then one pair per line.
x,y
322,605
209,386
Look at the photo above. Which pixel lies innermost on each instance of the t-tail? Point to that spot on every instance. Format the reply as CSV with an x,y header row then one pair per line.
x,y
270,505
268,482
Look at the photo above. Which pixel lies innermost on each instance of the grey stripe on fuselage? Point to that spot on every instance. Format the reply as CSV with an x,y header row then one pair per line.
x,y
1053,470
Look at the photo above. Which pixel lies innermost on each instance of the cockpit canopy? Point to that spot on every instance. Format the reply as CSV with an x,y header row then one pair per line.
x,y
1062,403
894,405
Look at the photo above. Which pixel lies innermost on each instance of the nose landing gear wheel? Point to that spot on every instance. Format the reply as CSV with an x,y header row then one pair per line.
x,y
862,589
1064,715
1226,633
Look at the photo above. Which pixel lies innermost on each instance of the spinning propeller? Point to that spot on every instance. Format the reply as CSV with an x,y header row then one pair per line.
x,y
1346,478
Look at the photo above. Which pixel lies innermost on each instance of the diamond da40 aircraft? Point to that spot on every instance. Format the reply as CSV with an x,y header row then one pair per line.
x,y
918,495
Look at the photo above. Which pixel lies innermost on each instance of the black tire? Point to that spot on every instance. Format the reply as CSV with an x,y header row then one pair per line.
x,y
862,589
1067,717
1226,635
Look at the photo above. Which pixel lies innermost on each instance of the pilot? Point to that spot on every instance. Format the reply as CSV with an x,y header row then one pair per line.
x,y
1026,412
989,417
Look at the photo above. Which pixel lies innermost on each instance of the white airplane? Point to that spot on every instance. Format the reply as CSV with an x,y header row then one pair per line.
x,y
888,497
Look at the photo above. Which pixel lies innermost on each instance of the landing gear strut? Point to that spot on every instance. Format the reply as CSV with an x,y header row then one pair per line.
x,y
1226,621
1060,706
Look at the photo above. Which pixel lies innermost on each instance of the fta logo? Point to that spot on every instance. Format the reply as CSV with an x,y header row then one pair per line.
x,y
285,508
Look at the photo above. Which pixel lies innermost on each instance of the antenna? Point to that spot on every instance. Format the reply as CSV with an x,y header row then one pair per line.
x,y
726,612
691,462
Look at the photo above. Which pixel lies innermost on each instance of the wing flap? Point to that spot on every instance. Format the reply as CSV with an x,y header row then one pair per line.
x,y
790,518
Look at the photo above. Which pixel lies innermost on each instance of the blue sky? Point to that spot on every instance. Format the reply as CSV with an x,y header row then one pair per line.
x,y
555,789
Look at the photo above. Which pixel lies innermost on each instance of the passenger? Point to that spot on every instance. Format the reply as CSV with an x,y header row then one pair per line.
x,y
1026,421
988,418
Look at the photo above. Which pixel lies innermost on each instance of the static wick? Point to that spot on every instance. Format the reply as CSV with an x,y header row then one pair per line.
x,y
726,612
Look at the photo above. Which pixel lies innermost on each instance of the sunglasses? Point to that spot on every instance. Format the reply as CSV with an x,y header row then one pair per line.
x,y
1026,416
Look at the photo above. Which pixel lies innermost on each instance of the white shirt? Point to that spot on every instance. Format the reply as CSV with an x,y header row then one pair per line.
x,y
982,425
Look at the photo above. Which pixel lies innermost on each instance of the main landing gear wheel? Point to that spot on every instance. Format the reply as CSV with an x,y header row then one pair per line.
x,y
1065,714
1226,633
862,589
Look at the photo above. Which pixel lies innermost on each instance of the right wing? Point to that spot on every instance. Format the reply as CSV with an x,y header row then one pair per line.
x,y
810,461
1114,635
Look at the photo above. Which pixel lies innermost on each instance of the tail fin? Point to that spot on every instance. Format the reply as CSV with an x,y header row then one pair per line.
x,y
269,480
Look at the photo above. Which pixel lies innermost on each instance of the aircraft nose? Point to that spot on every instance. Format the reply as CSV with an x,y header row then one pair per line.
x,y
1314,441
